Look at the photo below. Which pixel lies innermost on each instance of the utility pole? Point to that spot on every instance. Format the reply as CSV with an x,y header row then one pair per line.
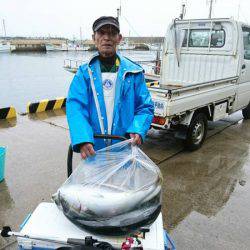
x,y
4,29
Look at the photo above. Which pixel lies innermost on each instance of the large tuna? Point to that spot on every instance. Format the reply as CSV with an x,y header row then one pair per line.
x,y
117,190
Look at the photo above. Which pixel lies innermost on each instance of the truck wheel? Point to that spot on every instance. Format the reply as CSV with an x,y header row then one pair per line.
x,y
196,132
246,112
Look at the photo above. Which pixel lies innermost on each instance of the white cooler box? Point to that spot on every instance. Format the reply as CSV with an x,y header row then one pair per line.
x,y
47,221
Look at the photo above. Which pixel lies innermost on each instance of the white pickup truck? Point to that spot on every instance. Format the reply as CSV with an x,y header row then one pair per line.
x,y
205,76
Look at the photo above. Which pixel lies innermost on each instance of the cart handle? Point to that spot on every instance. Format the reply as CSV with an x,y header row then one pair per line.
x,y
101,136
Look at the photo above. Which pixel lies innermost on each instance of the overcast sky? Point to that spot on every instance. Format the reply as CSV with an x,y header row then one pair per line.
x,y
139,17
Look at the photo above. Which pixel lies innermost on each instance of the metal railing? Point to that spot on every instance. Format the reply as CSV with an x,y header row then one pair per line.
x,y
150,66
71,64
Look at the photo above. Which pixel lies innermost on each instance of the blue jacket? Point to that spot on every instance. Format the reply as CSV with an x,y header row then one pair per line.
x,y
133,107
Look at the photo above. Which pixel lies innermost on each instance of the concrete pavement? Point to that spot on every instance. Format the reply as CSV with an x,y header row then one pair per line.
x,y
205,193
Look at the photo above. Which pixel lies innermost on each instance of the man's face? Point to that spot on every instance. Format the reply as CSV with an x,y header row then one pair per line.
x,y
106,39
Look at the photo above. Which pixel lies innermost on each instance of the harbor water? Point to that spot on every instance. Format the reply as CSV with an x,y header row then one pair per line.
x,y
30,77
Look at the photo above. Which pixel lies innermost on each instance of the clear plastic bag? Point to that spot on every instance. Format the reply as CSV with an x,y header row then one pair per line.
x,y
117,190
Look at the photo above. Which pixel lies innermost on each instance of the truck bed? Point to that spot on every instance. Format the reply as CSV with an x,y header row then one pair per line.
x,y
173,88
179,99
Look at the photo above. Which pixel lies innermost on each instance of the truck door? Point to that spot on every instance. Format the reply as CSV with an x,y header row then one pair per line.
x,y
244,81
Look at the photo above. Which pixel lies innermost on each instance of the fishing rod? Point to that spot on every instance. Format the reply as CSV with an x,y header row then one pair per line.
x,y
88,243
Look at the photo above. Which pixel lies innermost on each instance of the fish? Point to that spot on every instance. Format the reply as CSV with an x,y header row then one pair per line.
x,y
104,201
107,210
112,193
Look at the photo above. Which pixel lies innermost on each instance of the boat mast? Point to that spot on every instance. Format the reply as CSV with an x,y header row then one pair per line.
x,y
183,11
81,35
118,10
4,29
238,11
210,8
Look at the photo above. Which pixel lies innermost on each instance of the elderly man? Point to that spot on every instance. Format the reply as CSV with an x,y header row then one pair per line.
x,y
108,95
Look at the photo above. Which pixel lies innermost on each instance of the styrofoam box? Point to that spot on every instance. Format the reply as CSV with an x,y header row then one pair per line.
x,y
47,221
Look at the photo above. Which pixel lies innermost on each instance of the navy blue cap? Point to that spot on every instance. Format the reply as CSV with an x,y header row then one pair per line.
x,y
105,20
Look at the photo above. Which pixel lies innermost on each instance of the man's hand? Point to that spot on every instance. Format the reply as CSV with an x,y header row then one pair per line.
x,y
136,139
87,150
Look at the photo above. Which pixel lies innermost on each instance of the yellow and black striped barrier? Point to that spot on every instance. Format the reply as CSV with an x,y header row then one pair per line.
x,y
7,113
152,84
46,104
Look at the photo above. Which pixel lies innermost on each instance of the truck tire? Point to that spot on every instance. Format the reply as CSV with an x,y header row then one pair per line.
x,y
196,132
246,112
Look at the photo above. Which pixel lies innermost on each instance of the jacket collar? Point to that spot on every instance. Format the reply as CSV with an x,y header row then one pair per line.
x,y
126,64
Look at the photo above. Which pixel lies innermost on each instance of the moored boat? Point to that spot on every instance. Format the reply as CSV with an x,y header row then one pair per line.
x,y
54,47
5,46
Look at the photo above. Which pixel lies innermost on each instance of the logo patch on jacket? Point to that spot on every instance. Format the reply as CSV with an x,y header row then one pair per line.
x,y
107,84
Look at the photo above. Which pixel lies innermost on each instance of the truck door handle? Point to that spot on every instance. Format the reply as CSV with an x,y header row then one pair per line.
x,y
243,66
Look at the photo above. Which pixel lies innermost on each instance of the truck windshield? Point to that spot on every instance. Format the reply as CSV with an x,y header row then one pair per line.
x,y
246,40
201,37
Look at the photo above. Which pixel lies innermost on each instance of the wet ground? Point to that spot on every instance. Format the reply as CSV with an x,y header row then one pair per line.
x,y
206,196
